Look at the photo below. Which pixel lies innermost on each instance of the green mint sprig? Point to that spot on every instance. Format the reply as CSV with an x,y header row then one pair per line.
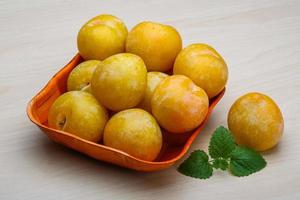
x,y
225,154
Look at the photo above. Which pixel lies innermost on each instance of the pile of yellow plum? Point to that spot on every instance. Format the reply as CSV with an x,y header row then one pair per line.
x,y
134,85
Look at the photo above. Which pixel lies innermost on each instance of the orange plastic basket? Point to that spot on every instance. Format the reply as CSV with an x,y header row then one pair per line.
x,y
174,148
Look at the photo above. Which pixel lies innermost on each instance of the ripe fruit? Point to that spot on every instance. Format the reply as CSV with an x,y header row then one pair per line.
x,y
101,37
204,66
153,80
178,104
79,113
80,77
135,132
256,121
157,44
119,82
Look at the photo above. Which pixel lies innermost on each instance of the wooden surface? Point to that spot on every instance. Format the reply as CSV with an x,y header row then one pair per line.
x,y
260,40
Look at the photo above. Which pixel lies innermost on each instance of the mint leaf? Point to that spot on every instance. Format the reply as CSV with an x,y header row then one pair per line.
x,y
221,143
242,161
220,163
245,161
196,165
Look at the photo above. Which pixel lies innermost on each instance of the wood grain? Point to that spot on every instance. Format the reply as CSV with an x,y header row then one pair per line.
x,y
260,40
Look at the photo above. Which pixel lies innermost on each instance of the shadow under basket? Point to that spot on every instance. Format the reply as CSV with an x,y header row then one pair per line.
x,y
174,147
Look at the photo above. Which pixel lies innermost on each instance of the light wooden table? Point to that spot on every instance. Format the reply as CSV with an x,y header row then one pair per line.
x,y
260,40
